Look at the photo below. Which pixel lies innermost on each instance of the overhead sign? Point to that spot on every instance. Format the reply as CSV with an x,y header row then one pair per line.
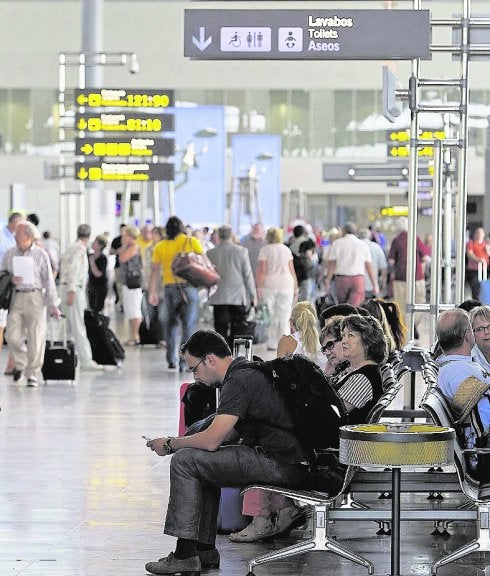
x,y
399,143
126,172
124,122
315,34
123,98
125,147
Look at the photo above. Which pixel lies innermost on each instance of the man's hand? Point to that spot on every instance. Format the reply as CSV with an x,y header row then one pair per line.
x,y
153,298
55,312
158,445
70,299
16,280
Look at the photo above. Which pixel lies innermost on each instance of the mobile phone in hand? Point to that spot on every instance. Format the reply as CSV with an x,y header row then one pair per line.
x,y
145,438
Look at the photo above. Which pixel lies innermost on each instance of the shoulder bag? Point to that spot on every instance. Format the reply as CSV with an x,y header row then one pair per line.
x,y
196,269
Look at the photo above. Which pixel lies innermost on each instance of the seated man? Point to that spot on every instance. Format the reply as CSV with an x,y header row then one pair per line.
x,y
464,383
480,322
201,466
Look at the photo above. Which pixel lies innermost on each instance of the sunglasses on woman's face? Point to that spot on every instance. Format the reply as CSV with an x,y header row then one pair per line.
x,y
329,345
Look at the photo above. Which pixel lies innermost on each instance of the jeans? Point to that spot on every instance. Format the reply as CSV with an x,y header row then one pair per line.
x,y
182,308
196,477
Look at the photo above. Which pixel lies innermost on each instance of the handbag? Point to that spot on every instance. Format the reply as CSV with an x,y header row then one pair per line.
x,y
6,289
196,269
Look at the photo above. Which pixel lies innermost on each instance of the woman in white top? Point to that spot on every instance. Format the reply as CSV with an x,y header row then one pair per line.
x,y
276,284
304,337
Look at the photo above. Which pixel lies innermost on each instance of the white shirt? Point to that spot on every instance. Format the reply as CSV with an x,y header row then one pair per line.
x,y
350,255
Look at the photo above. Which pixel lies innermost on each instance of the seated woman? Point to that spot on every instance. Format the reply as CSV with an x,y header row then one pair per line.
x,y
331,346
364,345
388,315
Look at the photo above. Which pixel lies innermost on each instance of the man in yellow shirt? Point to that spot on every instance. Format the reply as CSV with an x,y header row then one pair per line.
x,y
181,300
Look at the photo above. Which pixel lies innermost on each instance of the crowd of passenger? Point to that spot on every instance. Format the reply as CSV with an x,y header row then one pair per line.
x,y
337,298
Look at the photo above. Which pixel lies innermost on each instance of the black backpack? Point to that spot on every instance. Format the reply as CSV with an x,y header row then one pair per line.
x,y
301,265
315,406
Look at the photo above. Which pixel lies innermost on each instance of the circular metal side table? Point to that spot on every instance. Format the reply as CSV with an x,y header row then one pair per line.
x,y
396,446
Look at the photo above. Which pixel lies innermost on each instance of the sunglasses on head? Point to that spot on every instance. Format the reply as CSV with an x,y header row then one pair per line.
x,y
329,345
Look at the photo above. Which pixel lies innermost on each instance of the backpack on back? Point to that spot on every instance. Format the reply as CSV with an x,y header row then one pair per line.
x,y
315,406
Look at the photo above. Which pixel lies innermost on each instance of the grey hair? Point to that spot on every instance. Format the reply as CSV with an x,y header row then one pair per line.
x,y
225,232
84,231
31,230
451,328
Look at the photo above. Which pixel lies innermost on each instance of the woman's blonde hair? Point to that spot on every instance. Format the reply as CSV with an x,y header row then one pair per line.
x,y
274,235
303,316
132,231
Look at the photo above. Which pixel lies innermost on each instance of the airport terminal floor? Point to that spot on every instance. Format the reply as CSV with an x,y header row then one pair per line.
x,y
81,495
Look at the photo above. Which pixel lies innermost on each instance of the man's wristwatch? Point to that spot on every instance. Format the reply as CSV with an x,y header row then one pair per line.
x,y
167,446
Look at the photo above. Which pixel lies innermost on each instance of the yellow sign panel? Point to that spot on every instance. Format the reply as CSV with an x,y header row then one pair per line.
x,y
394,211
402,150
122,98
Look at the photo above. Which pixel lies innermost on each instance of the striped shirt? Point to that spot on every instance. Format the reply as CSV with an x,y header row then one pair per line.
x,y
43,274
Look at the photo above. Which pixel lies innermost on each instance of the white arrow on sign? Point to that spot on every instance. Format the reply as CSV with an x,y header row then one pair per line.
x,y
202,43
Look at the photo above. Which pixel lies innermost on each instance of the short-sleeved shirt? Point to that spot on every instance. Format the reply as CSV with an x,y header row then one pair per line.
x,y
350,255
166,250
399,253
454,369
479,249
278,275
247,393
361,388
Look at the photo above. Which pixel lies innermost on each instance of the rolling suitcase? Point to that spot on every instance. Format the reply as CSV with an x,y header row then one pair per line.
x,y
484,284
60,359
151,329
106,348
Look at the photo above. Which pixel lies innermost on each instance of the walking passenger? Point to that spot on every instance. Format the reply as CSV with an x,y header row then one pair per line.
x,y
236,286
26,322
276,284
181,300
131,273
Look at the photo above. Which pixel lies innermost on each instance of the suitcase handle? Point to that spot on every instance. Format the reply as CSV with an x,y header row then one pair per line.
x,y
482,271
50,333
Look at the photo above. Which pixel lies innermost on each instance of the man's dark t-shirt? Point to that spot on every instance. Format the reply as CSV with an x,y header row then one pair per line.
x,y
247,393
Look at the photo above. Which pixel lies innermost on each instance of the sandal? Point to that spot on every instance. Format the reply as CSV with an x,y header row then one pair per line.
x,y
132,343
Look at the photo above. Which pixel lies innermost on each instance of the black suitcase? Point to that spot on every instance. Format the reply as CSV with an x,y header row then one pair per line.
x,y
60,359
106,348
151,329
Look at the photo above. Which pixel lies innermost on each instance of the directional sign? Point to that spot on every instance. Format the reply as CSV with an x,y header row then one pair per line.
x,y
125,122
315,34
123,98
107,171
399,143
135,147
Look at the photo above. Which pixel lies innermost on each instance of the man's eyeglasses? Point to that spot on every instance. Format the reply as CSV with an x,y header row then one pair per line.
x,y
329,345
193,369
482,329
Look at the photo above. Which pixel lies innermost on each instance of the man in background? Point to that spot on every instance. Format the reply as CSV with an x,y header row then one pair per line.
x,y
253,242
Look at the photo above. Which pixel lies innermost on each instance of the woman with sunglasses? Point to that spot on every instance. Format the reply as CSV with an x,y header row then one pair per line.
x,y
364,346
331,347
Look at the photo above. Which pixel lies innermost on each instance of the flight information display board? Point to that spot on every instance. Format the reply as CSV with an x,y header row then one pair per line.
x,y
123,98
125,122
125,147
112,171
130,113
314,34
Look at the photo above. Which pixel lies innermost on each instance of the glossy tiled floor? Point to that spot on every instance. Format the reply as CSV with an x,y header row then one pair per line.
x,y
80,494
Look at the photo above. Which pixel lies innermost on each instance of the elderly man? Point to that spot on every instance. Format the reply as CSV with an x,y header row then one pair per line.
x,y
480,322
201,465
349,259
73,285
34,291
236,286
253,242
463,381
